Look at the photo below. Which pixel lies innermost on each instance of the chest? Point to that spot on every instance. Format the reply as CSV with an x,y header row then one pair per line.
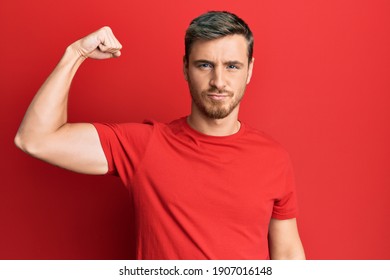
x,y
230,182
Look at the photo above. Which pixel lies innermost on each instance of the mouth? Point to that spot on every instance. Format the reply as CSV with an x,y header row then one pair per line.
x,y
218,97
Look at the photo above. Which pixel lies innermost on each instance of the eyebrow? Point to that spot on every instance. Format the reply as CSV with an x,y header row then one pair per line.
x,y
230,62
202,61
234,62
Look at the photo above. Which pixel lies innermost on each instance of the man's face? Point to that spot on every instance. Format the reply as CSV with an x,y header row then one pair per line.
x,y
217,72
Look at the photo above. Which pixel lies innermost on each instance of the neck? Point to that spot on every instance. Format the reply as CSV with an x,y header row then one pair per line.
x,y
214,127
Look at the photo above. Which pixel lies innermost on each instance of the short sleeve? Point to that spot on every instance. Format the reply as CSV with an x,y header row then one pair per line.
x,y
124,146
285,206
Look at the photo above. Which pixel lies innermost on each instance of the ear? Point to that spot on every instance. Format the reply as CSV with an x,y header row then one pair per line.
x,y
250,69
185,68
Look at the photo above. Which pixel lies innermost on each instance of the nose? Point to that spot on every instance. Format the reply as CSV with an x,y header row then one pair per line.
x,y
217,79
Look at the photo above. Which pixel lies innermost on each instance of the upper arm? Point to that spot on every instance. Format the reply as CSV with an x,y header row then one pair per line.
x,y
75,147
284,240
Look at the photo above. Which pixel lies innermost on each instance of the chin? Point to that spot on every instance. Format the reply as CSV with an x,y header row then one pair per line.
x,y
217,114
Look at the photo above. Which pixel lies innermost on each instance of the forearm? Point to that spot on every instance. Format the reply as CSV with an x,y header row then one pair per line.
x,y
48,110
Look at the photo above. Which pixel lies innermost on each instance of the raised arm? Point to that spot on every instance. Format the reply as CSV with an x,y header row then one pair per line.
x,y
45,133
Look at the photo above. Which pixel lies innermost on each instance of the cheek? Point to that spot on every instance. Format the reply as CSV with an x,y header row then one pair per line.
x,y
239,82
198,81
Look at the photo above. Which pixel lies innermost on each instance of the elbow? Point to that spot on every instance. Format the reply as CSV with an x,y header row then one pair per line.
x,y
18,141
24,144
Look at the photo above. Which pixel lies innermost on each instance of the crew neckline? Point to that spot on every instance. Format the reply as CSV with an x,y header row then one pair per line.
x,y
199,134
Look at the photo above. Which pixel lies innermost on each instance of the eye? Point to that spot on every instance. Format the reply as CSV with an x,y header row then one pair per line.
x,y
204,65
233,67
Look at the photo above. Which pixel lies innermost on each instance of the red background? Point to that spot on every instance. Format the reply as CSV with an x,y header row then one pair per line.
x,y
321,87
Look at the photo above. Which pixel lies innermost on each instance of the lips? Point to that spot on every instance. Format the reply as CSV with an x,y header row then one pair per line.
x,y
218,96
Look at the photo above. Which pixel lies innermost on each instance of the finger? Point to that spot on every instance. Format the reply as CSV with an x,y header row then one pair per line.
x,y
102,44
117,54
108,38
109,43
106,52
103,48
108,49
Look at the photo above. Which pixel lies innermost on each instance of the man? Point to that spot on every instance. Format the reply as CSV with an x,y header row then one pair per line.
x,y
204,187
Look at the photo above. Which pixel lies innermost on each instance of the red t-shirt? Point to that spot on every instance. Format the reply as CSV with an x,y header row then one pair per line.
x,y
198,196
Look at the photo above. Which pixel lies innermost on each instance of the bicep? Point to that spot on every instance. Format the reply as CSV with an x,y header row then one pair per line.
x,y
75,147
284,240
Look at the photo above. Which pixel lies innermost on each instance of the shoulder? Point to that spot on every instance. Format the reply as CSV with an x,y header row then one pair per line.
x,y
174,127
265,143
134,129
261,137
124,130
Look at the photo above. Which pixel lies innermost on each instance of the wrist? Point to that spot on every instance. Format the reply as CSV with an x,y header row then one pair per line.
x,y
71,59
73,51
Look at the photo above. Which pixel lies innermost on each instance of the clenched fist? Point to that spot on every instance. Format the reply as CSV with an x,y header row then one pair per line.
x,y
100,44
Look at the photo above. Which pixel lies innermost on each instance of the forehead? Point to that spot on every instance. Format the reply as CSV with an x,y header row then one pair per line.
x,y
231,47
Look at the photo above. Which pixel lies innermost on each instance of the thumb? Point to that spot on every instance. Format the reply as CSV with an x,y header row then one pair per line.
x,y
109,52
